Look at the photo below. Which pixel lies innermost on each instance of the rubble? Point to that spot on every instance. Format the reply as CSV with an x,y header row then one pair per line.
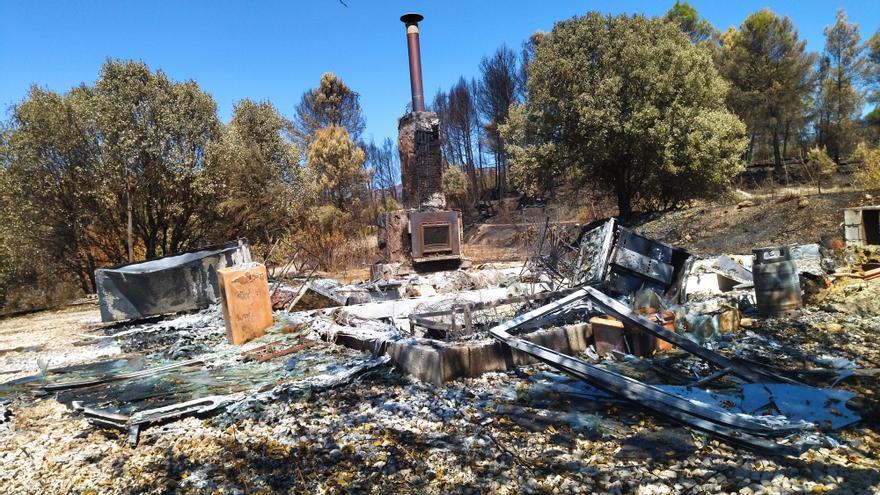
x,y
494,377
862,226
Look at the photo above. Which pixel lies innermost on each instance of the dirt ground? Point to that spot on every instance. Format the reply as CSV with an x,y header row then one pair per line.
x,y
387,433
27,341
734,224
798,216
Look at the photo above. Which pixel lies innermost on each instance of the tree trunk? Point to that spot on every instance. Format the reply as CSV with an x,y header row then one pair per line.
x,y
480,163
129,229
785,150
777,158
91,271
624,205
502,165
750,148
785,139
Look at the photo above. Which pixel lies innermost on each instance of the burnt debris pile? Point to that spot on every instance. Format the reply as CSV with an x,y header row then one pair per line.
x,y
718,344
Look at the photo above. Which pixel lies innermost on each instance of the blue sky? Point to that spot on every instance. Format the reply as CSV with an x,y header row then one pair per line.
x,y
276,50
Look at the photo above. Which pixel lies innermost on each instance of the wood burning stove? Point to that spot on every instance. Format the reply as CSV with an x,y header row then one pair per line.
x,y
435,235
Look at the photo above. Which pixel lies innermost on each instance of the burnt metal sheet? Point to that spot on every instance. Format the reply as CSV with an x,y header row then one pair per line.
x,y
734,270
752,432
273,350
594,252
626,261
641,244
425,320
638,262
181,282
632,320
54,387
136,421
643,265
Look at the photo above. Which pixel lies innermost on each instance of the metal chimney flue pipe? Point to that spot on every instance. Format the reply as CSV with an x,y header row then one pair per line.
x,y
411,21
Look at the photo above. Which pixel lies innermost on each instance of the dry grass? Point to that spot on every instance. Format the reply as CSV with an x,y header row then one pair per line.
x,y
482,253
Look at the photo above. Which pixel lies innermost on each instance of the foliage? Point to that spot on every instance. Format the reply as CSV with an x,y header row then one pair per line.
x,y
51,183
685,16
873,67
455,184
332,103
818,166
868,174
72,164
839,100
629,102
771,77
872,124
154,133
264,190
337,164
330,228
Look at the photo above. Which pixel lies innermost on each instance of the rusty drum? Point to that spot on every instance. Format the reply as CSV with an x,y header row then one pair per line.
x,y
777,286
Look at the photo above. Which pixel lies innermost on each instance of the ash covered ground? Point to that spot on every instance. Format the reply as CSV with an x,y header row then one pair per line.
x,y
529,430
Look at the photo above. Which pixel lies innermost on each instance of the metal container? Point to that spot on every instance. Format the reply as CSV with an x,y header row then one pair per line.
x,y
607,335
180,282
645,344
777,285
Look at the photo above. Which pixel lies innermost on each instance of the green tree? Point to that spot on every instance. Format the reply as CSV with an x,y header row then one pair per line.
x,y
873,60
839,101
456,185
75,162
685,16
818,166
332,103
872,124
154,134
628,102
263,190
771,78
868,175
52,184
337,164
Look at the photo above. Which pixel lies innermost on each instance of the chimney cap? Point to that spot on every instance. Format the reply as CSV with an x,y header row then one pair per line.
x,y
411,18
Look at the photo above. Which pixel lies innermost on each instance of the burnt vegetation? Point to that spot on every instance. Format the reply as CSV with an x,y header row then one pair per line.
x,y
590,115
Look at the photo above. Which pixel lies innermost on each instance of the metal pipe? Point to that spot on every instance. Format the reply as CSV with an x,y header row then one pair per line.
x,y
411,21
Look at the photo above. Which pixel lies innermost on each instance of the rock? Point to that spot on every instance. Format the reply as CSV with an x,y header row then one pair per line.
x,y
833,327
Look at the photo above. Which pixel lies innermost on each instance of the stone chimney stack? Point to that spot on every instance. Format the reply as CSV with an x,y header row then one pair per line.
x,y
418,139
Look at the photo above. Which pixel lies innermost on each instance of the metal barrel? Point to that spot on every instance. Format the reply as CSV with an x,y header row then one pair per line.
x,y
777,285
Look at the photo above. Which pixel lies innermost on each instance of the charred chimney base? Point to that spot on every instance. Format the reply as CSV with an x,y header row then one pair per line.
x,y
421,165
